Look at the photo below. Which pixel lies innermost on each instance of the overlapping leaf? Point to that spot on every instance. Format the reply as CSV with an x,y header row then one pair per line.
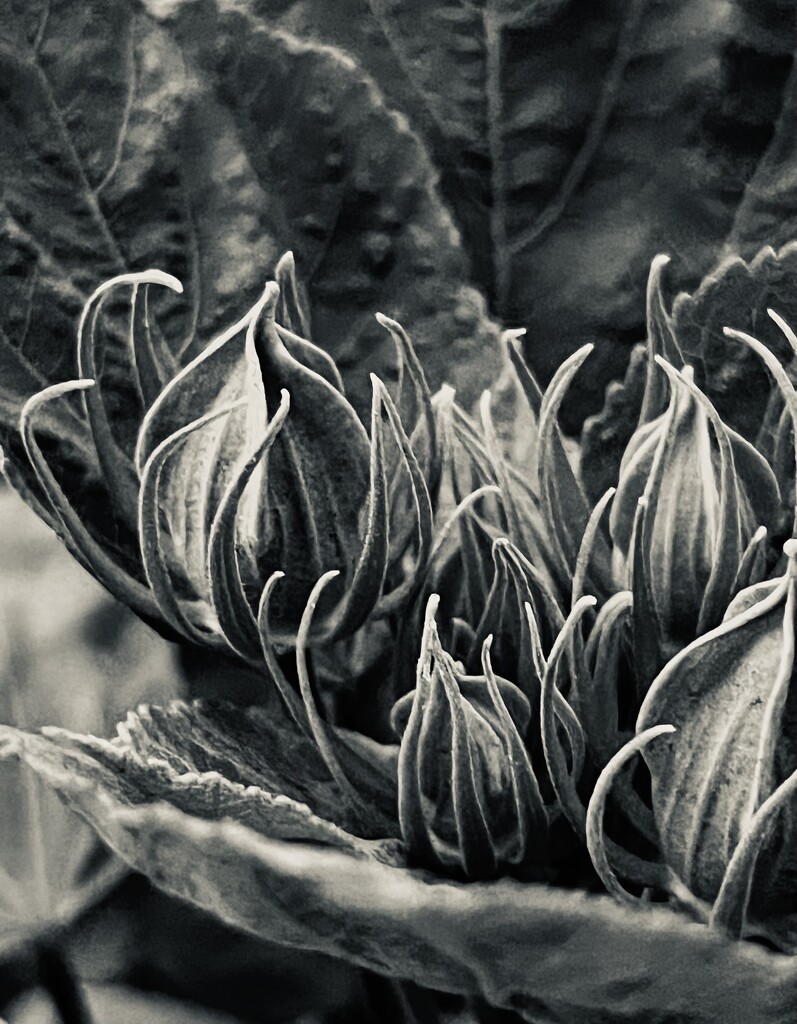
x,y
728,695
527,948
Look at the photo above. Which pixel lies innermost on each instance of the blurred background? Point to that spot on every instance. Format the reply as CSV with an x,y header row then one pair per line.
x,y
74,924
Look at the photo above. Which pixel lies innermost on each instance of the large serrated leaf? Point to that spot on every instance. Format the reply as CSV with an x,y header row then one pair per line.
x,y
736,293
542,952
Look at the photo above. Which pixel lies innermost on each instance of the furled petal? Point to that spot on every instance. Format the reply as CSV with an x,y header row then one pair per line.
x,y
562,500
661,341
321,504
706,492
149,372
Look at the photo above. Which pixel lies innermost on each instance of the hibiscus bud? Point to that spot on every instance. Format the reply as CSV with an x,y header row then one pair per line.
x,y
723,784
321,501
705,492
248,460
469,802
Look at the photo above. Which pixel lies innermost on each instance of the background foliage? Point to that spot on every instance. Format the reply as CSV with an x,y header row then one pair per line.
x,y
542,155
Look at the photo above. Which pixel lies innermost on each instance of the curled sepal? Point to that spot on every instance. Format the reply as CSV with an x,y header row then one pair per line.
x,y
405,558
782,381
153,360
91,554
469,802
729,695
706,494
562,734
524,521
753,566
363,771
177,578
210,380
293,311
223,377
661,341
690,440
730,908
588,568
564,749
150,375
602,710
528,382
479,460
563,501
231,602
597,842
517,583
414,403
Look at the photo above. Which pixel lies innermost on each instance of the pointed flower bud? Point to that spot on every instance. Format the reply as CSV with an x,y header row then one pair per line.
x,y
469,802
290,482
724,784
706,492
249,460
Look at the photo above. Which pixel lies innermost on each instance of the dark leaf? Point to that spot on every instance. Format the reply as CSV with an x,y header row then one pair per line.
x,y
580,141
191,137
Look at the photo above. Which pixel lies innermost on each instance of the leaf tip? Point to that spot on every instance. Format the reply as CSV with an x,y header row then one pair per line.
x,y
385,321
286,264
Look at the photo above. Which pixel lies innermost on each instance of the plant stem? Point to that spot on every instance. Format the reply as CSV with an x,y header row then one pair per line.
x,y
58,978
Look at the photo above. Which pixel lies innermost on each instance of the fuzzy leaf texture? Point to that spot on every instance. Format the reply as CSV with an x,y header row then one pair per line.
x,y
193,137
527,948
722,786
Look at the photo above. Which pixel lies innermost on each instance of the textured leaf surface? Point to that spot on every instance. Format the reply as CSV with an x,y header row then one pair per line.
x,y
542,952
248,756
737,294
205,795
586,139
192,138
726,695
720,679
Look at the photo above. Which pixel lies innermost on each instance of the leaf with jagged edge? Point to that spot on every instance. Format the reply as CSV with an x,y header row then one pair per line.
x,y
206,795
194,138
737,293
256,748
533,949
